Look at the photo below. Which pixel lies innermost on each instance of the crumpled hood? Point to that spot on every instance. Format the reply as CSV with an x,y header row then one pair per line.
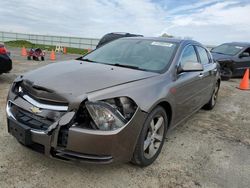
x,y
77,77
217,56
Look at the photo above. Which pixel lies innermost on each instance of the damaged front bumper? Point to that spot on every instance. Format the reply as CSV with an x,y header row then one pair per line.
x,y
61,138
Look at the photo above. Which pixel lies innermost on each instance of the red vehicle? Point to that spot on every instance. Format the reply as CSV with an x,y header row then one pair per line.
x,y
5,60
35,54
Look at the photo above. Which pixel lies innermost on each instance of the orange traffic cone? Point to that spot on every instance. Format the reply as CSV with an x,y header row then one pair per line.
x,y
244,84
24,51
64,50
52,55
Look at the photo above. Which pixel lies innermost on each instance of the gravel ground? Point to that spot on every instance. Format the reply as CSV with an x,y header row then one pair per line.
x,y
211,149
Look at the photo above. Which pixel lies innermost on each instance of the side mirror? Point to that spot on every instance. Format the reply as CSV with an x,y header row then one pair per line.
x,y
244,54
190,67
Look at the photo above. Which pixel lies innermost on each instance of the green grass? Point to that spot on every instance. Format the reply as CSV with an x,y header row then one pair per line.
x,y
27,44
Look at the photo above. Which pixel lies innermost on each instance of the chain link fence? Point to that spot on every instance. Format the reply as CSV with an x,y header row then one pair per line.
x,y
74,42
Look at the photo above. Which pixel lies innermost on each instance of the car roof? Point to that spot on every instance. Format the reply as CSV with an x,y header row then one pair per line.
x,y
165,39
243,44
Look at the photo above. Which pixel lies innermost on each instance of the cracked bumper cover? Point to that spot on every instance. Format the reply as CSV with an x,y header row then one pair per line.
x,y
85,145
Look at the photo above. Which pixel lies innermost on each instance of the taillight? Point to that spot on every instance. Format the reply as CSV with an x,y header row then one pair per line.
x,y
3,50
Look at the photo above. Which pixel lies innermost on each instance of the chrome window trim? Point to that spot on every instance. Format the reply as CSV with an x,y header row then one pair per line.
x,y
44,106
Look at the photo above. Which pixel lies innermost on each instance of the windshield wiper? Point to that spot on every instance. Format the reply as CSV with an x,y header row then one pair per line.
x,y
90,60
86,59
126,66
116,64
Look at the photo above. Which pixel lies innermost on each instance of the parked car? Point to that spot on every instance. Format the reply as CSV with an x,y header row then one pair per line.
x,y
233,58
114,104
35,54
113,36
5,60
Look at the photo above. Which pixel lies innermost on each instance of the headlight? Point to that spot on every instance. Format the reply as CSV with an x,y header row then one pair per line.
x,y
104,116
111,114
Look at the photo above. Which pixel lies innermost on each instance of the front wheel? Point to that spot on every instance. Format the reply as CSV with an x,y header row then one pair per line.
x,y
151,139
212,102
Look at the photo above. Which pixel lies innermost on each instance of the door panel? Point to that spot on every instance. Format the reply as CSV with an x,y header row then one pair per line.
x,y
209,74
188,85
241,64
188,94
209,81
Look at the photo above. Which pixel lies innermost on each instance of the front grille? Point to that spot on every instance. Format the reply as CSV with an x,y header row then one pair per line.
x,y
31,120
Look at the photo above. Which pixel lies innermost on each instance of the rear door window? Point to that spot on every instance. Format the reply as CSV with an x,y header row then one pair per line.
x,y
203,55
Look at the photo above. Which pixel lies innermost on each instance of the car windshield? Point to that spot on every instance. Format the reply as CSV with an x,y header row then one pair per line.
x,y
141,54
227,49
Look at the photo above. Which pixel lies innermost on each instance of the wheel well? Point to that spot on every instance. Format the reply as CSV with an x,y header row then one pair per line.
x,y
219,80
168,109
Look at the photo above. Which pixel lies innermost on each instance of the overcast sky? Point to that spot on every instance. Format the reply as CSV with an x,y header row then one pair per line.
x,y
208,21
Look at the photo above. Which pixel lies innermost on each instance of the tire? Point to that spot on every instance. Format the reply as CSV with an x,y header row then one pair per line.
x,y
151,138
226,74
42,58
28,57
212,102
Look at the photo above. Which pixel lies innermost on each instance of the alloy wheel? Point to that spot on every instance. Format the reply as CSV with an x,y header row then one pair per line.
x,y
154,137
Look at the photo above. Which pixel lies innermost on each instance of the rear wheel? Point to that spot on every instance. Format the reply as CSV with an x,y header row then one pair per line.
x,y
212,102
42,58
151,139
28,57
